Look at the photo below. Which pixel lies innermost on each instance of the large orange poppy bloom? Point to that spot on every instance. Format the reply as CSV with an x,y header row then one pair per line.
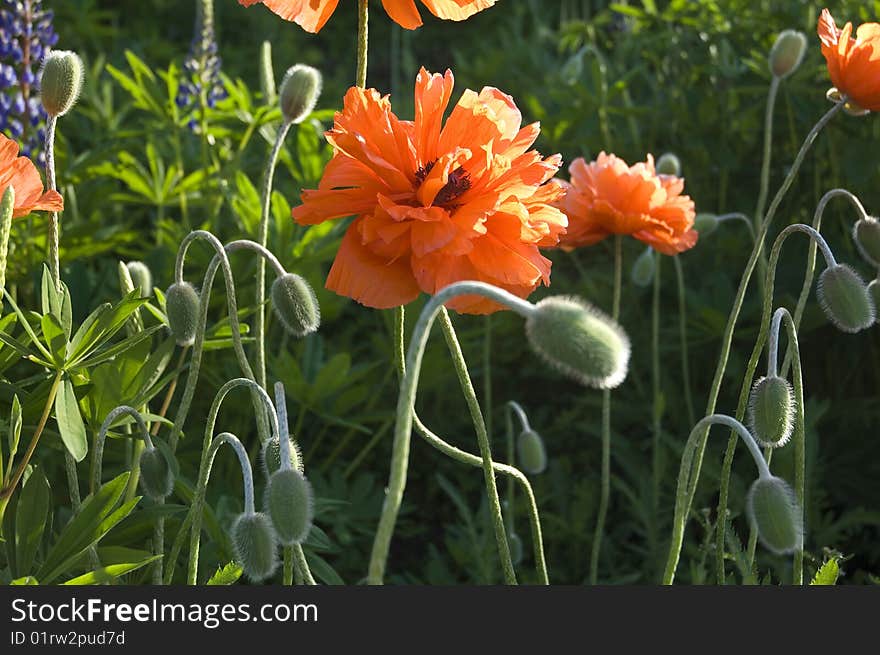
x,y
311,15
21,173
853,63
436,204
608,197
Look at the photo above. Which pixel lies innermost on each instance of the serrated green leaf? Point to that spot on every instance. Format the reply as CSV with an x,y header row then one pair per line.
x,y
827,573
226,575
70,422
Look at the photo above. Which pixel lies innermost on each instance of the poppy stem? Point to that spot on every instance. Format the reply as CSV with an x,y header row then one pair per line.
x,y
682,330
727,338
765,169
51,184
363,28
605,493
656,409
265,202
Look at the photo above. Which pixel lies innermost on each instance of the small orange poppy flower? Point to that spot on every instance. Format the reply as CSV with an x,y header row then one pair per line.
x,y
436,204
21,173
311,15
608,197
853,63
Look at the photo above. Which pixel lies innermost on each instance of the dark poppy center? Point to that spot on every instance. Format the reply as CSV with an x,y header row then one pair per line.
x,y
459,181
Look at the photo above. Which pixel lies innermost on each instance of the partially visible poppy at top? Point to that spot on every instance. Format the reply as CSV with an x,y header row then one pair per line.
x,y
21,173
608,197
853,63
311,15
436,204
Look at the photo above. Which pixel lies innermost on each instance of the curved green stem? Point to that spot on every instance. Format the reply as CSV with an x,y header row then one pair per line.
x,y
741,292
765,169
467,388
606,428
405,409
683,338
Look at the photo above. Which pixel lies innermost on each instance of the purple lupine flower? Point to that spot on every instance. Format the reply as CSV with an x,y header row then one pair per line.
x,y
26,37
201,69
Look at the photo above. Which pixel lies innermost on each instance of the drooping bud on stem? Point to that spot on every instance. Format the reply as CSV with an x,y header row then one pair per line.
x,y
182,308
775,514
299,92
771,411
295,304
61,80
705,223
644,268
844,298
157,472
668,164
580,341
255,545
866,234
787,53
290,504
531,452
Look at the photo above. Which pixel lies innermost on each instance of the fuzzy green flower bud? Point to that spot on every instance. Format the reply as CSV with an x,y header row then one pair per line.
x,y
182,308
299,92
531,452
157,476
580,341
271,456
844,298
644,267
295,304
290,504
141,277
668,164
874,292
787,53
775,514
771,411
705,223
255,545
866,234
516,547
61,80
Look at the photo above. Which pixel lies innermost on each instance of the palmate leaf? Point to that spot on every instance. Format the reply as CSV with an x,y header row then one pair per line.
x,y
95,519
100,326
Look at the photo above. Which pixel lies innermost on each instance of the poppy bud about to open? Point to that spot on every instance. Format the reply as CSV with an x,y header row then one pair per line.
x,y
299,92
866,234
272,456
705,223
182,307
580,341
874,292
255,545
644,268
844,298
771,411
668,164
295,304
290,504
531,452
61,80
775,514
787,53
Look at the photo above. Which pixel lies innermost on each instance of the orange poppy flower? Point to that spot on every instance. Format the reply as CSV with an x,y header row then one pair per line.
x,y
311,15
853,63
436,204
21,173
608,197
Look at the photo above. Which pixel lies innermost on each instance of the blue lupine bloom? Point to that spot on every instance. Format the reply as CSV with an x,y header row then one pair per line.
x,y
202,65
26,37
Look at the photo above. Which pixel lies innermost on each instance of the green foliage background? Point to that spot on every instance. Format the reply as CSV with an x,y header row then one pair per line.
x,y
630,77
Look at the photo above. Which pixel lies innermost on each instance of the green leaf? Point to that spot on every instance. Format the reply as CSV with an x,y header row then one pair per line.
x,y
30,520
226,575
29,581
323,571
109,573
108,322
53,335
26,325
95,519
118,348
15,344
70,423
827,574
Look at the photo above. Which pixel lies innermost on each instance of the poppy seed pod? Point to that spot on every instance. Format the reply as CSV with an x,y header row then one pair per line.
x,y
290,504
844,298
874,292
771,411
182,308
141,277
272,456
299,92
255,545
705,223
579,340
787,53
61,80
531,452
295,304
866,234
157,476
668,164
644,268
775,514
